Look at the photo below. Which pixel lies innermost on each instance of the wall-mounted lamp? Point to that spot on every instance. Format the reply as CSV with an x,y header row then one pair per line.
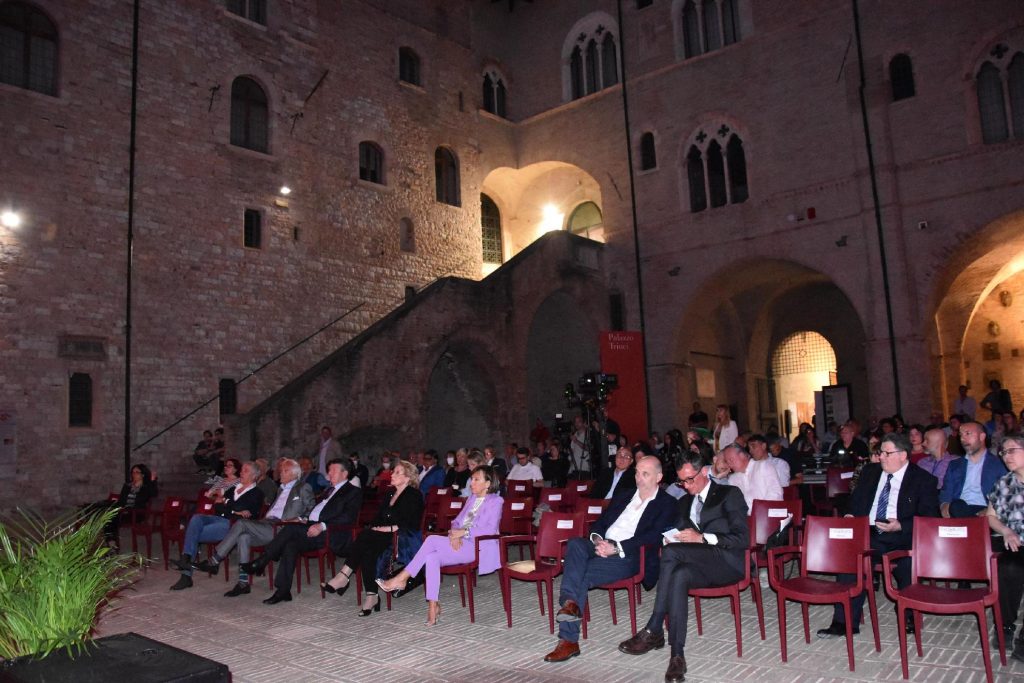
x,y
285,190
10,219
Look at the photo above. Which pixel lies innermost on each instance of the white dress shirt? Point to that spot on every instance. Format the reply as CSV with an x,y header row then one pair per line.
x,y
759,482
894,493
624,528
527,472
276,510
314,515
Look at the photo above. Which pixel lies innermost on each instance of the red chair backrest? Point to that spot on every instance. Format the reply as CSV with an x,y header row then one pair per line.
x,y
113,497
435,498
952,549
516,516
174,512
591,509
558,498
449,508
204,507
520,489
556,527
837,480
791,492
832,545
582,488
767,515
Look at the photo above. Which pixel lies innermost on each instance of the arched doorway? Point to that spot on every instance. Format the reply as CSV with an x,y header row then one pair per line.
x,y
802,364
561,347
461,403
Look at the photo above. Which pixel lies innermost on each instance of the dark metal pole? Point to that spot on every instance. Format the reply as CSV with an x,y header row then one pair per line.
x,y
878,211
632,202
130,245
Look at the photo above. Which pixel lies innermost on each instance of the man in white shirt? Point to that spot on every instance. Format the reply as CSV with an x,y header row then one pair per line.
x,y
612,551
525,469
757,480
758,447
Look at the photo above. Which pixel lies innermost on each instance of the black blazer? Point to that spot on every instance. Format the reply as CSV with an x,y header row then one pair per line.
x,y
604,483
342,508
656,519
251,500
725,515
406,513
147,492
919,496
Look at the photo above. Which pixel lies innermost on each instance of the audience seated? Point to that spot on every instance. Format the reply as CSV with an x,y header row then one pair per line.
x,y
204,456
757,480
133,500
618,479
219,483
432,475
970,478
1006,517
525,469
457,476
555,466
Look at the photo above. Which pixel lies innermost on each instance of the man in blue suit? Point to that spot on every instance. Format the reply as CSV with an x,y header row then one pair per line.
x,y
432,474
969,479
612,551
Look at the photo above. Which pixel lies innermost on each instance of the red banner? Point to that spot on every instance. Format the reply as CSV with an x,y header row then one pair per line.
x,y
622,354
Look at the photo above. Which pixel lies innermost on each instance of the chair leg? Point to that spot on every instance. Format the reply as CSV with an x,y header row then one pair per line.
x,y
505,582
807,627
631,594
986,655
998,617
611,602
469,589
696,611
848,612
550,585
586,618
320,564
735,600
901,615
782,625
917,632
165,546
540,598
755,595
462,589
873,608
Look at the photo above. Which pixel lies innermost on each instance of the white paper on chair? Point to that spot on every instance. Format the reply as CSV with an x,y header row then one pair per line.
x,y
594,509
846,475
555,496
520,488
581,487
785,522
840,533
777,512
565,524
455,505
518,506
952,532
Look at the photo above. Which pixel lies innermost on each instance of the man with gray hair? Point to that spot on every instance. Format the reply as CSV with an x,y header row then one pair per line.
x,y
294,500
938,458
757,479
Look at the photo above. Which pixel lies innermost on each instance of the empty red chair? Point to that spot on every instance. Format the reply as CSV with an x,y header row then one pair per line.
x,y
836,489
831,545
520,489
765,519
516,516
559,500
591,509
548,546
582,489
172,526
448,509
950,550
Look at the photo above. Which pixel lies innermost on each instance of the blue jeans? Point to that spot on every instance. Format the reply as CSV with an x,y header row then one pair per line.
x,y
203,529
583,570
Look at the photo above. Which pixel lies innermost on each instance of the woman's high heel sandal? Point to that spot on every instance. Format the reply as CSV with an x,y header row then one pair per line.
x,y
331,589
433,610
393,591
375,608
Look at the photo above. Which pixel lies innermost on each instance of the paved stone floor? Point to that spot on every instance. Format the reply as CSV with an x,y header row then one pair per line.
x,y
314,639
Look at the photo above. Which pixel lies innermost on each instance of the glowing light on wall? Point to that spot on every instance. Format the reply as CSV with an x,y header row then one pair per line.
x,y
551,219
10,219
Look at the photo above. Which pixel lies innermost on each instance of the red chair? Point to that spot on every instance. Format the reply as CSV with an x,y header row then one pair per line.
x,y
467,574
837,490
582,489
831,545
591,509
516,516
142,523
559,500
630,584
765,518
448,510
434,502
950,550
732,591
172,526
556,528
521,489
322,556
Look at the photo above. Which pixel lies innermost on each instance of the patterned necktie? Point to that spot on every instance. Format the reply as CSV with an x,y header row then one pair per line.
x,y
883,501
695,509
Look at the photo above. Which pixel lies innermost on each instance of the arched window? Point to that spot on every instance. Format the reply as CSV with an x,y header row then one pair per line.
x,y
28,48
1015,82
407,235
737,163
248,115
695,177
490,230
585,218
901,76
716,175
80,400
494,93
991,104
648,155
691,30
446,177
371,162
730,22
712,26
408,66
590,54
253,10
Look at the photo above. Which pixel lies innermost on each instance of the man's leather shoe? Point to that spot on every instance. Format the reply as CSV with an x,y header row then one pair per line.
x,y
238,589
908,624
835,630
207,566
570,612
563,652
676,669
643,642
183,583
278,597
254,568
183,563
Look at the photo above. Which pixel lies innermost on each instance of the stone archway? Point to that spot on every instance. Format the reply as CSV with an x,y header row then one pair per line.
x,y
461,400
562,345
738,317
977,333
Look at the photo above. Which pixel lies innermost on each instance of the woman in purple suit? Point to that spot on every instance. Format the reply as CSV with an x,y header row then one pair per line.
x,y
480,516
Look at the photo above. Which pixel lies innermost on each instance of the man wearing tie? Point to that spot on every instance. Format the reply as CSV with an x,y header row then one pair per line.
x,y
707,549
339,504
891,493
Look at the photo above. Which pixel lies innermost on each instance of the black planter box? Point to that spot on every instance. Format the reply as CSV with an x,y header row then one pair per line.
x,y
127,657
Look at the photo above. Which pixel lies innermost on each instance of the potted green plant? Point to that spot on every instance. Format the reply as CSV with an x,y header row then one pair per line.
x,y
55,578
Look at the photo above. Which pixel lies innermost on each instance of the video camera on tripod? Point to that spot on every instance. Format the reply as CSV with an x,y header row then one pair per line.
x,y
590,393
593,387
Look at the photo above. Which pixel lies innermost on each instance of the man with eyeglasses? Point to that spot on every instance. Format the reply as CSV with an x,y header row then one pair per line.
x,y
970,478
890,493
704,548
612,481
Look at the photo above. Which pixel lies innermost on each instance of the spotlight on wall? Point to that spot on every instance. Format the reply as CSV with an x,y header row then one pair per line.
x,y
551,218
10,219
285,190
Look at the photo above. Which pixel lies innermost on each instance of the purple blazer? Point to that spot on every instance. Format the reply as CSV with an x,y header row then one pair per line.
x,y
485,524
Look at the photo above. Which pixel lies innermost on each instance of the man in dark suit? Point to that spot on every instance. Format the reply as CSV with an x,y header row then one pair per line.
x,y
613,481
339,504
612,552
890,493
707,550
963,495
